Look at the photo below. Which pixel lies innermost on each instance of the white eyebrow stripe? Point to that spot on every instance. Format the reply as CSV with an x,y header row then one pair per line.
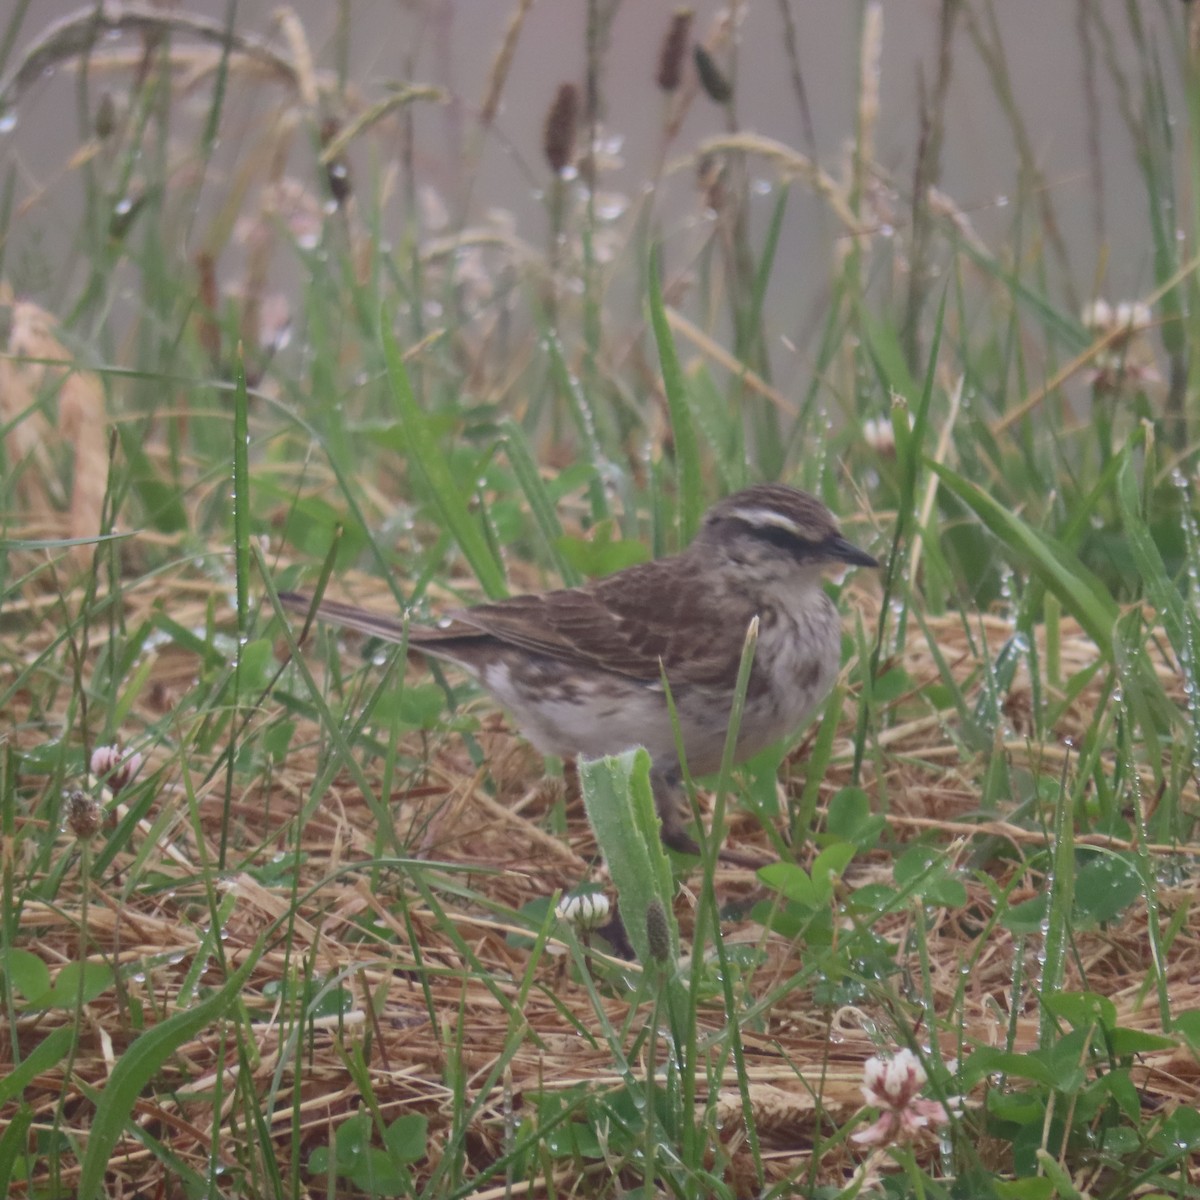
x,y
768,516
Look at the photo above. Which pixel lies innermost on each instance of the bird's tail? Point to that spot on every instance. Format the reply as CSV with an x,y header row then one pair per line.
x,y
349,616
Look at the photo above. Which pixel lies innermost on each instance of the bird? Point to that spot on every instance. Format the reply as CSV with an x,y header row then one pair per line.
x,y
581,669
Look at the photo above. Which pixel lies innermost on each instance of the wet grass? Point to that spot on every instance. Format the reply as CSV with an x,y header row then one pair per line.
x,y
309,946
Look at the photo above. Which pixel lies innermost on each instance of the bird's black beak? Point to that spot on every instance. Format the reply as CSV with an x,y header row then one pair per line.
x,y
846,552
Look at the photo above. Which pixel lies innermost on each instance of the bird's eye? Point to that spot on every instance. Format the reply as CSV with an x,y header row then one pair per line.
x,y
786,539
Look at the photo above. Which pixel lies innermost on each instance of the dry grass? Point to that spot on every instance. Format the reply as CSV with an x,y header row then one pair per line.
x,y
254,185
423,997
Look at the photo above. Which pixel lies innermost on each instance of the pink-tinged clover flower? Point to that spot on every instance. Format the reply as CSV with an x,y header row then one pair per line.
x,y
114,768
893,1085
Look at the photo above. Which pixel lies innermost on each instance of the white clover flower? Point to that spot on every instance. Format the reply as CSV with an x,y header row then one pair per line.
x,y
584,910
880,435
1124,362
1132,315
1097,314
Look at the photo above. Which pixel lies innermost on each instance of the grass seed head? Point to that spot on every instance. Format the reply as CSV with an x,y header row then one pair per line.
x,y
673,50
558,142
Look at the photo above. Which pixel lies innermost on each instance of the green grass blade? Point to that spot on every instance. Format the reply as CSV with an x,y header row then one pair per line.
x,y
1066,331
1057,567
241,554
45,1056
138,1065
585,419
430,463
525,468
687,449
14,1145
1160,590
708,910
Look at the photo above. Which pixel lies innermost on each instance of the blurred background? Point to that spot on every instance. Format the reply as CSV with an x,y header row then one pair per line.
x,y
1070,71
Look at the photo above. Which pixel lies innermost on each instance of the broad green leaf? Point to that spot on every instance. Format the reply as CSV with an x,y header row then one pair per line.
x,y
78,982
792,881
1124,1041
851,819
26,973
407,1137
1035,1188
987,1061
1082,1010
1105,885
829,865
1188,1024
1182,1128
620,807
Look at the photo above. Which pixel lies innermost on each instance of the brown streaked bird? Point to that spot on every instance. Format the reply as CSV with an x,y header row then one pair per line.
x,y
581,668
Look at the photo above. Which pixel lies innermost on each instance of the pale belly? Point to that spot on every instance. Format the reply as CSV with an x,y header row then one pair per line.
x,y
609,714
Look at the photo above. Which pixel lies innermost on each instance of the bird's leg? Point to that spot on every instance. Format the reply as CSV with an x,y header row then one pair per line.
x,y
674,811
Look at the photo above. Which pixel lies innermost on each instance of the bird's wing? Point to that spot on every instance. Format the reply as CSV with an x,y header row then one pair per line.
x,y
628,625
